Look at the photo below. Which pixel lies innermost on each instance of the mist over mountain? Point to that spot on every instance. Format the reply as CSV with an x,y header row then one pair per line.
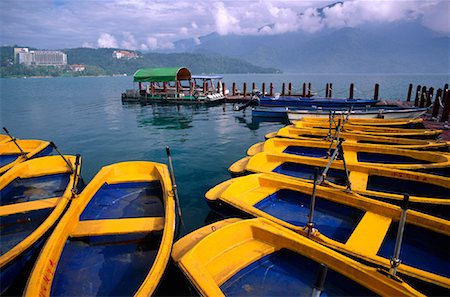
x,y
396,47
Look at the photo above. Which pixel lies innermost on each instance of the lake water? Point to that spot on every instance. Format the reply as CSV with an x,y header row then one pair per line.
x,y
85,115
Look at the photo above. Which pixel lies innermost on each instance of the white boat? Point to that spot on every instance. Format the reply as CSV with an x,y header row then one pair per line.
x,y
373,113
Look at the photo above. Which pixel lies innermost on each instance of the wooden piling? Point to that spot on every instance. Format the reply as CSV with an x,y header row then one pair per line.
x,y
223,89
376,91
326,90
283,89
290,89
423,95
330,91
350,92
164,87
437,104
416,101
253,87
445,112
245,90
430,96
234,89
408,98
304,90
271,89
204,87
309,89
263,88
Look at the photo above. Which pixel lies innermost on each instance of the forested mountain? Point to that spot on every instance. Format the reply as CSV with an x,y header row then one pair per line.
x,y
101,62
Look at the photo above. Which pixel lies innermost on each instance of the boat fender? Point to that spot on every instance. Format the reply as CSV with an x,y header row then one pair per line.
x,y
195,95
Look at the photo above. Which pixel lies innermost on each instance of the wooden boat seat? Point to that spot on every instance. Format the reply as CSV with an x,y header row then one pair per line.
x,y
118,226
28,206
371,224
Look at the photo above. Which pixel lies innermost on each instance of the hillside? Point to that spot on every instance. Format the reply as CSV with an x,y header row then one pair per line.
x,y
101,62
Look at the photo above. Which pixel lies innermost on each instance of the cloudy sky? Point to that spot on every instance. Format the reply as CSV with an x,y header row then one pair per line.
x,y
149,25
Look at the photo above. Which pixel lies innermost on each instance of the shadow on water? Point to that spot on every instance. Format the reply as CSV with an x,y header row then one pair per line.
x,y
255,122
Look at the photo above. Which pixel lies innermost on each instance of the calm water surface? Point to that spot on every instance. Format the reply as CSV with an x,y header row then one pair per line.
x,y
86,116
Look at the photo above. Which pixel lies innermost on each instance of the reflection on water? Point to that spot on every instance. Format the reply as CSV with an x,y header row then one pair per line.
x,y
254,122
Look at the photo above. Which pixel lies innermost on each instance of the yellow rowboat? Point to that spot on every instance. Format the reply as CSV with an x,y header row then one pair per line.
x,y
428,193
322,135
260,258
350,223
407,123
372,130
11,155
4,138
33,195
365,154
115,239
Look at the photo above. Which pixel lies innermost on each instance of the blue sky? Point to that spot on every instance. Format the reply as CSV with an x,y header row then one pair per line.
x,y
149,25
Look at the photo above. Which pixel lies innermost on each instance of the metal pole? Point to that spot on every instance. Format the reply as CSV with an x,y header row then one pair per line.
x,y
53,145
75,179
395,260
174,185
310,223
320,280
14,140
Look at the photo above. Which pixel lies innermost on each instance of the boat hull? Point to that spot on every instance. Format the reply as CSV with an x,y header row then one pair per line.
x,y
34,195
406,113
115,238
258,257
349,223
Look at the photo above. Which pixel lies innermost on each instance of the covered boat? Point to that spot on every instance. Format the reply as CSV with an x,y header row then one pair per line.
x,y
114,240
371,113
325,135
14,152
368,154
174,85
428,193
352,224
33,195
259,258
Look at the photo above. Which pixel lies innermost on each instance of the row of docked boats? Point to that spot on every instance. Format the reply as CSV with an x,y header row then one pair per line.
x,y
296,108
113,238
327,217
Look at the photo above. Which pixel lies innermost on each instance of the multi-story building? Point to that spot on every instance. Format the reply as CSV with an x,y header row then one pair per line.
x,y
120,54
39,58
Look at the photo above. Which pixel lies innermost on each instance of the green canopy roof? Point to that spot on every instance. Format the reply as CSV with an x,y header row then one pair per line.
x,y
161,74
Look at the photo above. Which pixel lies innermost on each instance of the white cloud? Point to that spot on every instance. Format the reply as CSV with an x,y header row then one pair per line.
x,y
153,43
129,41
107,40
226,23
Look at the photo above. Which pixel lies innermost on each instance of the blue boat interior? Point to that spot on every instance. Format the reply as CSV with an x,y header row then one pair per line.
x,y
125,200
307,151
388,159
34,188
16,227
7,159
400,186
47,151
113,265
442,171
287,273
421,248
334,220
304,171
